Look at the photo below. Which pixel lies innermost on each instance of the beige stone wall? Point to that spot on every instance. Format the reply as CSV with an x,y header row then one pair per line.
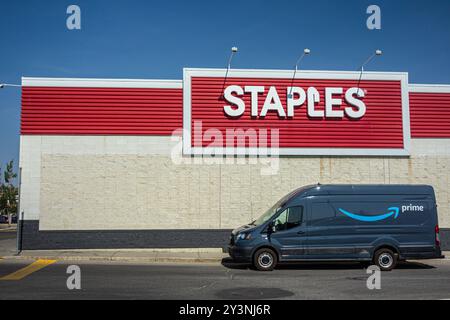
x,y
149,191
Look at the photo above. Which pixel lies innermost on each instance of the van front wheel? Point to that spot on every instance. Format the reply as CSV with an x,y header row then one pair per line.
x,y
265,259
385,259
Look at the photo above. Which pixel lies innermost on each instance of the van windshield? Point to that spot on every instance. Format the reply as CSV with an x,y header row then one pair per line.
x,y
267,215
274,209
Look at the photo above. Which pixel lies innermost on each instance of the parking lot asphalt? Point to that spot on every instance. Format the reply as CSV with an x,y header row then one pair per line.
x,y
20,279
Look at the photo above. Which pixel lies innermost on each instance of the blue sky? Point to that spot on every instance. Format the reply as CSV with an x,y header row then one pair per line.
x,y
156,39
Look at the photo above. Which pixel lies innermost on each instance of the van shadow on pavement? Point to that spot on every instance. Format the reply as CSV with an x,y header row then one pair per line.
x,y
245,293
228,263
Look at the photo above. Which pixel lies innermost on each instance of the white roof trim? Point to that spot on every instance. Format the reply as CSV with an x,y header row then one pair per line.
x,y
429,88
101,83
301,74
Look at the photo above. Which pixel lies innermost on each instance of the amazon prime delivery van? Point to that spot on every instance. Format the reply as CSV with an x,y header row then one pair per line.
x,y
378,224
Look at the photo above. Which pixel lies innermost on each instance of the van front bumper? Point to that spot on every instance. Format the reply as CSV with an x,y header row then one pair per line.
x,y
240,254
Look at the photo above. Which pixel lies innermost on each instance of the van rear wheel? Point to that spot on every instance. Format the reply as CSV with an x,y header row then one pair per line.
x,y
265,259
385,259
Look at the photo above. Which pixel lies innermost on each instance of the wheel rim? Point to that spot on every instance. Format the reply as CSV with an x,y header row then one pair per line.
x,y
385,260
265,260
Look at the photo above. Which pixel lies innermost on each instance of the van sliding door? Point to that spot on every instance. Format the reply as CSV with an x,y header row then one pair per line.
x,y
326,238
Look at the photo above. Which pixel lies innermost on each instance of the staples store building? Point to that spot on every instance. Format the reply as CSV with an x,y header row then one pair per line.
x,y
109,163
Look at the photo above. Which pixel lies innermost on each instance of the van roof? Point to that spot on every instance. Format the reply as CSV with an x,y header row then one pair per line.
x,y
381,189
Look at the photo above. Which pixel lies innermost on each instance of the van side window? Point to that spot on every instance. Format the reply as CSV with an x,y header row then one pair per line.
x,y
321,213
290,218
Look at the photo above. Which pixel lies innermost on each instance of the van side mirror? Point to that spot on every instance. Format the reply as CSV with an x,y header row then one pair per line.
x,y
270,228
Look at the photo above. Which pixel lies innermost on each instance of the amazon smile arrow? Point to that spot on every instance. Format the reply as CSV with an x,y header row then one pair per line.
x,y
391,212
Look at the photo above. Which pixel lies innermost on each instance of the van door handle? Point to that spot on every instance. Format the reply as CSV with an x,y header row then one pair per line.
x,y
301,232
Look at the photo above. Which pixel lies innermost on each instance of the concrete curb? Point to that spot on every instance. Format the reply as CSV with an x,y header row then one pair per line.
x,y
5,226
115,259
144,256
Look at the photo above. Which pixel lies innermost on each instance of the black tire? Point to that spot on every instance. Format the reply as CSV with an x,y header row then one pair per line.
x,y
385,259
265,259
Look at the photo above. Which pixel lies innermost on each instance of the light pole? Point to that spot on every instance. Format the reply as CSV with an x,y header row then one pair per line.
x,y
8,204
234,50
3,85
306,52
8,213
378,53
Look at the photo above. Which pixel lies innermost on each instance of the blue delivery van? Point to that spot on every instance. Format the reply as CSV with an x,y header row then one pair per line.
x,y
379,224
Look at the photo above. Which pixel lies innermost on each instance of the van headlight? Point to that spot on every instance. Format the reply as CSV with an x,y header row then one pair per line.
x,y
244,236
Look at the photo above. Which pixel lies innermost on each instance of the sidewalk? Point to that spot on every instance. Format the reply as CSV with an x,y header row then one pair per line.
x,y
127,255
8,243
6,227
